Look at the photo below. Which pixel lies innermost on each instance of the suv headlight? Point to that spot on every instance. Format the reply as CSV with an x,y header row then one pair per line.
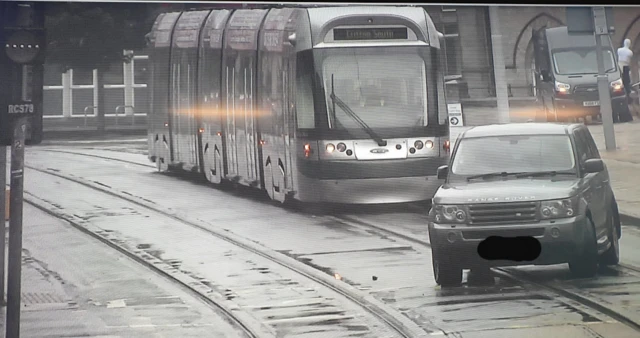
x,y
562,208
450,214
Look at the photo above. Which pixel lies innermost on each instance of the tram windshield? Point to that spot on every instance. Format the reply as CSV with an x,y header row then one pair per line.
x,y
385,86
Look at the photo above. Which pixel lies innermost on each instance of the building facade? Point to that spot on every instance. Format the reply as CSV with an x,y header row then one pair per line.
x,y
467,47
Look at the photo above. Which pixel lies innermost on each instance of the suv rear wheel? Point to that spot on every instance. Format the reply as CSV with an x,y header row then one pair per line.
x,y
586,264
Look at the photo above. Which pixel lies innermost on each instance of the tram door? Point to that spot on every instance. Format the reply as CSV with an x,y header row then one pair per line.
x,y
283,130
240,118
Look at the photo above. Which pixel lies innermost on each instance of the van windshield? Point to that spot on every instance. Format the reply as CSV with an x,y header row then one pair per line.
x,y
581,61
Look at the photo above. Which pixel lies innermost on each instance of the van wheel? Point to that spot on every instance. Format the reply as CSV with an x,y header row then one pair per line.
x,y
446,272
612,255
586,264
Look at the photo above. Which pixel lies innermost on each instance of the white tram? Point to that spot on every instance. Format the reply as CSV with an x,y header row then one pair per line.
x,y
324,104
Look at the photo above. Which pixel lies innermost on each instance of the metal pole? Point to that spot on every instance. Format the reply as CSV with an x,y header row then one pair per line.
x,y
3,217
601,30
15,231
499,72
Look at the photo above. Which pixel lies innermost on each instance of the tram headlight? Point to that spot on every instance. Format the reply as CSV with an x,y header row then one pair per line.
x,y
561,208
330,147
341,147
450,214
418,144
429,144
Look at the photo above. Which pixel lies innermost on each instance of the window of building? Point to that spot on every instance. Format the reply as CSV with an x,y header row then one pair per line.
x,y
140,71
52,75
452,48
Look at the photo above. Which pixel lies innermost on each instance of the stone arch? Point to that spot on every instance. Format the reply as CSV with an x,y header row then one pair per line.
x,y
628,31
528,65
536,22
635,61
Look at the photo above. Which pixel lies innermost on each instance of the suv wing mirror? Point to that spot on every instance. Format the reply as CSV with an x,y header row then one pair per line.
x,y
443,171
594,165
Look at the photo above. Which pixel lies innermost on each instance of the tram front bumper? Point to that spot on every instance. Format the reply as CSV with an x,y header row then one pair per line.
x,y
368,191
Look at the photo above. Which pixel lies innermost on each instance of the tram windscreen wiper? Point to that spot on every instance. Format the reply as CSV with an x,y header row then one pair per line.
x,y
496,174
545,173
336,100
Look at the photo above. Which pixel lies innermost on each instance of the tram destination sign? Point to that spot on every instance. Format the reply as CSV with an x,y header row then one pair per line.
x,y
344,34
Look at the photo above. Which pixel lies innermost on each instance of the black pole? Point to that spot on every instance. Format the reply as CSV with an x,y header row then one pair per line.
x,y
3,222
15,230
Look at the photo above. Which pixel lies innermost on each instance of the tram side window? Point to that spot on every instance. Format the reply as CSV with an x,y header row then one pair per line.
x,y
210,81
175,87
239,86
185,76
265,93
244,79
304,91
278,92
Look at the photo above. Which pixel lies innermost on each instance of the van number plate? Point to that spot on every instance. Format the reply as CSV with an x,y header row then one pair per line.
x,y
591,103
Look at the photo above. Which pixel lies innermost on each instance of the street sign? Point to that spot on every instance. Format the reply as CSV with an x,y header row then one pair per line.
x,y
455,115
20,109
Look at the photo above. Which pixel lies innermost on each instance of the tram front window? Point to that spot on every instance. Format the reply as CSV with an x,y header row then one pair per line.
x,y
385,87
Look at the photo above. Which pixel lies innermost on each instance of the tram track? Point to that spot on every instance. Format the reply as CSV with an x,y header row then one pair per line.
x,y
521,277
160,268
385,314
505,273
146,165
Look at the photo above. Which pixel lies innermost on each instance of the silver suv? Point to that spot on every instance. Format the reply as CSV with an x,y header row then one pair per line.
x,y
523,194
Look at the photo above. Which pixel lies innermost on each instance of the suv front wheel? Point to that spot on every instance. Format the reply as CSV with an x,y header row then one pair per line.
x,y
612,255
586,264
445,271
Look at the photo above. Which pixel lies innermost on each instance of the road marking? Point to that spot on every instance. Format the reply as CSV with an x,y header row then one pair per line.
x,y
516,327
146,326
118,303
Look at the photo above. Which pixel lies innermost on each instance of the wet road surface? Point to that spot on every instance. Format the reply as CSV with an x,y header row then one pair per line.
x,y
75,286
277,297
395,271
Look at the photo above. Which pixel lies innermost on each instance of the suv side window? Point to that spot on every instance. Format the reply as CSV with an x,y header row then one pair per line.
x,y
593,148
581,146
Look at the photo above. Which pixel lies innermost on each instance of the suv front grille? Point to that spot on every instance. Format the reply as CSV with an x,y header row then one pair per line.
x,y
498,213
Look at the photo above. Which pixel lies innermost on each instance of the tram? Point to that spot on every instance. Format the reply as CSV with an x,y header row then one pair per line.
x,y
338,104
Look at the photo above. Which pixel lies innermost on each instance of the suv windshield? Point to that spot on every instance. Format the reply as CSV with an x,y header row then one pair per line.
x,y
513,154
